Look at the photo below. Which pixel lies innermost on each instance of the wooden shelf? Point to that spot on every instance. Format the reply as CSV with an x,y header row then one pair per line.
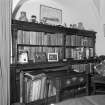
x,y
29,26
47,101
27,45
78,46
30,45
51,65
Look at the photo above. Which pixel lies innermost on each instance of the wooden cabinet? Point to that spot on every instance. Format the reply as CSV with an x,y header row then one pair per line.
x,y
64,79
75,48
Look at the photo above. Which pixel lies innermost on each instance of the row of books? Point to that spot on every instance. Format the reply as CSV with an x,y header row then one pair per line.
x,y
82,68
74,40
53,39
39,38
35,87
79,53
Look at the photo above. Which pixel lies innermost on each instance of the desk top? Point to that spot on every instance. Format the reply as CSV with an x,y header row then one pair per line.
x,y
86,100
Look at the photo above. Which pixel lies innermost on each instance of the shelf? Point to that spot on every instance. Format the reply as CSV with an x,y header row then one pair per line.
x,y
43,101
39,66
99,82
30,45
48,65
78,46
100,91
29,26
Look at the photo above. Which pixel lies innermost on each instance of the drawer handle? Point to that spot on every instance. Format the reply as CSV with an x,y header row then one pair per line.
x,y
81,79
68,82
74,78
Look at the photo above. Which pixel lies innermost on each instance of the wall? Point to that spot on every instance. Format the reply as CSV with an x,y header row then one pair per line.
x,y
5,39
74,11
101,37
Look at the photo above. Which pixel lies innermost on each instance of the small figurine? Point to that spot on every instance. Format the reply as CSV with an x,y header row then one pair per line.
x,y
71,26
23,16
80,25
44,20
74,26
65,25
34,19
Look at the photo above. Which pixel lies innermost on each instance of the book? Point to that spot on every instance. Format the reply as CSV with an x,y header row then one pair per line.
x,y
20,37
43,88
35,87
26,37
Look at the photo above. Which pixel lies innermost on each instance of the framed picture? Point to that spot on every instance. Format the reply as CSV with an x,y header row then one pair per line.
x,y
50,15
23,57
40,57
52,57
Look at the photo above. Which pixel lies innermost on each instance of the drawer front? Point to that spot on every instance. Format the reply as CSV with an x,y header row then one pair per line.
x,y
71,81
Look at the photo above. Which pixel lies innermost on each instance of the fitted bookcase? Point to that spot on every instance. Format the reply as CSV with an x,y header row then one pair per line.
x,y
75,49
68,43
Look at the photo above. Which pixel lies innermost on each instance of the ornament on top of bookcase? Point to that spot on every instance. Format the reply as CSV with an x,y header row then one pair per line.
x,y
43,20
80,25
71,26
34,19
65,25
74,26
23,16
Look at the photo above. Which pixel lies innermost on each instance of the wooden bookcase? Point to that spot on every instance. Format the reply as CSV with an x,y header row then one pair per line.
x,y
68,43
74,45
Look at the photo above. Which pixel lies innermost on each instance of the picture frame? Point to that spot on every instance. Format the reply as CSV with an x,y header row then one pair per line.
x,y
50,15
23,57
52,57
40,57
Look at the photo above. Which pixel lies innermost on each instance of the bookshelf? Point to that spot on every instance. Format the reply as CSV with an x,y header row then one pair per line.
x,y
67,42
74,45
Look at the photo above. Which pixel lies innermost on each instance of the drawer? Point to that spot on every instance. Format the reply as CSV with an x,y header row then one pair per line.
x,y
72,81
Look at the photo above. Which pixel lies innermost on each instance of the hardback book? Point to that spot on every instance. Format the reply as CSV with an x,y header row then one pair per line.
x,y
35,87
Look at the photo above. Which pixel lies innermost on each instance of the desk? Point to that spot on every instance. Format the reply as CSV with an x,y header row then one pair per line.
x,y
86,100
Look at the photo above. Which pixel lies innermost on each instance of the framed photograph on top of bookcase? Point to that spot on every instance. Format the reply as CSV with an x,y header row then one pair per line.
x,y
50,15
52,57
